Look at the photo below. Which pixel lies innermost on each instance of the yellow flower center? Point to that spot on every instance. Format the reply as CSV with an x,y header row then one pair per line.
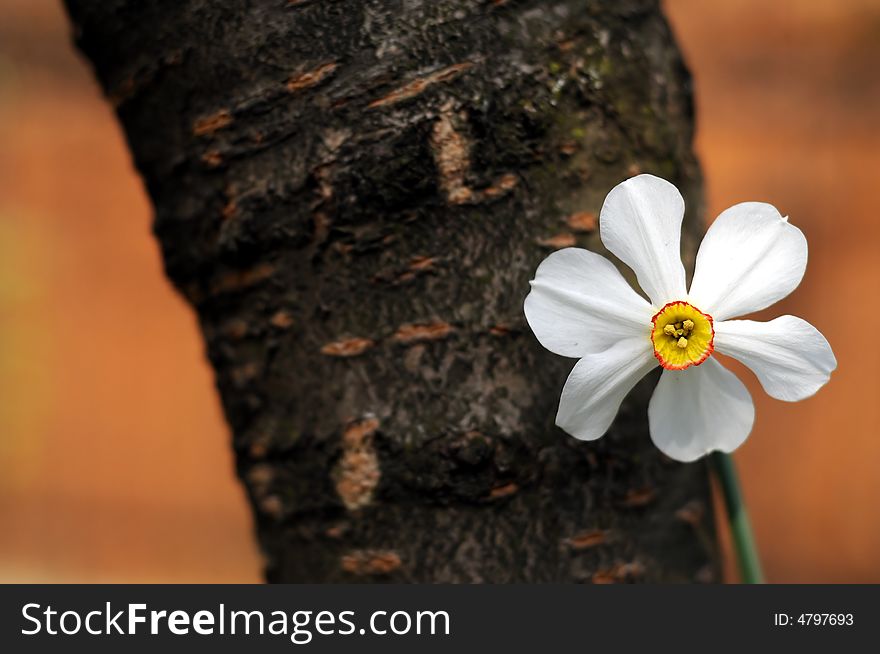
x,y
683,336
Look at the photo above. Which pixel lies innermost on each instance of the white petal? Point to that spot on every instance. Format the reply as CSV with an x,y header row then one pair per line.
x,y
750,258
597,385
698,410
790,357
580,303
640,223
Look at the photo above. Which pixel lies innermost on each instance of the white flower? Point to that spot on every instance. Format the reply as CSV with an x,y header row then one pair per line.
x,y
581,306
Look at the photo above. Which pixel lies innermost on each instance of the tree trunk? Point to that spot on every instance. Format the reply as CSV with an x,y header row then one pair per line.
x,y
353,195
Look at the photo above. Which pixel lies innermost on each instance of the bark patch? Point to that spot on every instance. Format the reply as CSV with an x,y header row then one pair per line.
x,y
418,85
557,242
691,513
638,497
242,279
311,78
207,125
619,572
212,158
348,347
582,221
357,473
371,562
503,491
587,539
451,149
452,158
281,319
416,333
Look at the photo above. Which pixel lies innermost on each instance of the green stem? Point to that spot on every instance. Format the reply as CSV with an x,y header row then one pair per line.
x,y
743,540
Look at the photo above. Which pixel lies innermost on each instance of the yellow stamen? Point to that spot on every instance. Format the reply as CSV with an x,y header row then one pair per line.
x,y
683,336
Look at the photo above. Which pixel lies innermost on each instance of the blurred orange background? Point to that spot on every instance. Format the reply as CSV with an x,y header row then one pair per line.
x,y
115,460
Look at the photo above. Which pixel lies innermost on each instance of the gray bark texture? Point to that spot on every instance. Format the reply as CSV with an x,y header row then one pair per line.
x,y
353,196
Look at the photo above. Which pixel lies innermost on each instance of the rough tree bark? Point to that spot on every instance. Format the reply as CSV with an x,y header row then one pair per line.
x,y
353,195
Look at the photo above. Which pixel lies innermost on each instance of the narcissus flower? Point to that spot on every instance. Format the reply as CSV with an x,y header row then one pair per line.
x,y
581,306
